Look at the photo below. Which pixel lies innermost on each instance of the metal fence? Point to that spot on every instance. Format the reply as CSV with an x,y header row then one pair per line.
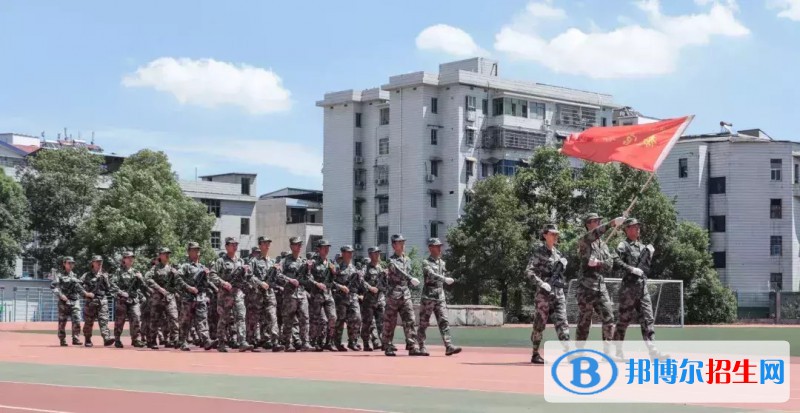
x,y
23,304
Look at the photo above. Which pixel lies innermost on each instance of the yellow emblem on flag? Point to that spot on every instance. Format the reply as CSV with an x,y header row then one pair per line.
x,y
650,141
629,140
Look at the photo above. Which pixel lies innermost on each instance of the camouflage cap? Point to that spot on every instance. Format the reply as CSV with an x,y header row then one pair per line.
x,y
68,259
346,248
164,250
397,238
230,240
128,254
193,246
371,250
255,250
590,216
550,228
323,243
97,258
264,239
432,242
295,240
630,222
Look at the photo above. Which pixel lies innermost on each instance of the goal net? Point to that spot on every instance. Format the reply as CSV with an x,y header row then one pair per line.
x,y
666,295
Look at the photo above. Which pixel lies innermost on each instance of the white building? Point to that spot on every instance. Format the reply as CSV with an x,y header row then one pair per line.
x,y
744,188
402,158
290,212
229,197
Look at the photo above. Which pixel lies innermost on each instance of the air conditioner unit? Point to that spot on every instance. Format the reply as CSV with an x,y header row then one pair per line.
x,y
471,115
358,159
430,178
381,181
357,246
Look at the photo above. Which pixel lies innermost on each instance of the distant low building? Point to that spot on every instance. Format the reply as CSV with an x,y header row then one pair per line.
x,y
290,212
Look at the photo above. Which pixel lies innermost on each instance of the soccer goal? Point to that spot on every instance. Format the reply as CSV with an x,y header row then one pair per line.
x,y
667,297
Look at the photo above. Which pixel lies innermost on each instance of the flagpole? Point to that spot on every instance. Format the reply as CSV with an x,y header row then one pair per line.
x,y
632,204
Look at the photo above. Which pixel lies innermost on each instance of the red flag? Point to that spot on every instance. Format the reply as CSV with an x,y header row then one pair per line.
x,y
639,146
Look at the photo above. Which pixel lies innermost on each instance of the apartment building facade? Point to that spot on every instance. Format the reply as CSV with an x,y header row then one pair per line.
x,y
290,212
403,158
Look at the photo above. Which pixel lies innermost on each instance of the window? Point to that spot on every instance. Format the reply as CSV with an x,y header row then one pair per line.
x,y
383,235
471,103
383,205
357,208
312,218
358,120
383,146
385,116
212,205
243,254
683,168
382,175
469,166
576,116
360,178
603,121
716,185
245,186
775,169
434,105
434,229
469,137
537,110
485,106
506,167
244,228
434,201
357,236
467,197
512,107
776,281
28,267
484,170
775,209
719,259
434,137
775,245
358,149
216,240
435,168
718,223
497,107
797,173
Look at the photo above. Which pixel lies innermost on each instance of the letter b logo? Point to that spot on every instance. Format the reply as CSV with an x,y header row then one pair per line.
x,y
584,372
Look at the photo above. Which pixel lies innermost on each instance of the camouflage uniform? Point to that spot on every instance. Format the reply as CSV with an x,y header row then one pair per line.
x,y
69,285
230,304
163,307
633,294
374,305
295,300
398,300
96,308
321,306
347,306
543,267
263,270
128,286
194,306
254,302
433,301
147,294
592,293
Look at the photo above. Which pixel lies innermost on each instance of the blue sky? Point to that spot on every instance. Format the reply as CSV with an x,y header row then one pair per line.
x,y
231,86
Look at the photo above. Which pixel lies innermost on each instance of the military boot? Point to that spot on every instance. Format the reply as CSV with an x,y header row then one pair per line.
x,y
536,358
277,348
452,350
353,345
424,351
367,346
340,347
63,342
76,342
118,343
88,342
245,346
107,342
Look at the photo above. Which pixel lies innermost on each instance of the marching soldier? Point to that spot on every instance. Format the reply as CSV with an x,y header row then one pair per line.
x,y
546,271
321,307
374,304
347,281
398,300
633,259
592,294
264,269
97,282
192,285
294,276
147,293
128,286
254,301
68,289
433,299
163,308
230,275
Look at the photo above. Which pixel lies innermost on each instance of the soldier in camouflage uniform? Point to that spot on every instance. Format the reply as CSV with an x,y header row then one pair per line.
x,y
347,282
254,302
633,260
147,293
192,284
163,308
97,282
128,286
68,289
398,300
293,274
264,270
374,304
321,306
596,262
230,275
546,271
433,299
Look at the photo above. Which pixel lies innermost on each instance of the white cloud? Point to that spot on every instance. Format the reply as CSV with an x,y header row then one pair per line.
x,y
632,50
545,11
450,40
211,83
789,9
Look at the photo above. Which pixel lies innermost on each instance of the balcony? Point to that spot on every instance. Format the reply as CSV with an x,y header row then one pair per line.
x,y
796,189
501,138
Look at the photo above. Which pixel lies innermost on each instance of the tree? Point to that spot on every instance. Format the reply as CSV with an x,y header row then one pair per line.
x,y
61,188
709,301
143,210
13,223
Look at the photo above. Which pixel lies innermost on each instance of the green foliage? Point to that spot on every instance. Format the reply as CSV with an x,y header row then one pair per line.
x,y
13,223
709,301
144,210
61,188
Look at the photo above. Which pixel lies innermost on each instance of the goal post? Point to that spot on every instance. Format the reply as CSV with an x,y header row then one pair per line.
x,y
666,295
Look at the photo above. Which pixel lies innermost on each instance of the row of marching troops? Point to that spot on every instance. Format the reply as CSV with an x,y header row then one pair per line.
x,y
291,304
